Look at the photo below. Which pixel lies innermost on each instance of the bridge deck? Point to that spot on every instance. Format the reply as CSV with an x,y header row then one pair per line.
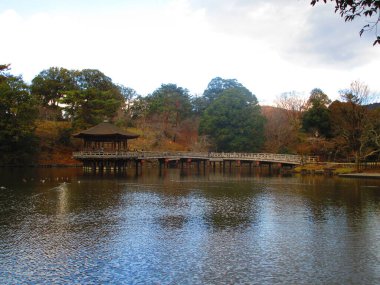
x,y
211,156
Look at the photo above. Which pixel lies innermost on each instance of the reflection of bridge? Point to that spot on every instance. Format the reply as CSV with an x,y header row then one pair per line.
x,y
119,160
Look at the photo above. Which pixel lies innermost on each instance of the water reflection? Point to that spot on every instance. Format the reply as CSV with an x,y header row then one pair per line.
x,y
60,226
229,205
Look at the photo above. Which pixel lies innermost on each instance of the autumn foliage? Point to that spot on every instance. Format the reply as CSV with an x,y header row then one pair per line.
x,y
38,120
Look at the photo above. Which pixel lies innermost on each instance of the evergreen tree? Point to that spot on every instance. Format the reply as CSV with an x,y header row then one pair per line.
x,y
215,87
234,122
316,119
18,111
171,103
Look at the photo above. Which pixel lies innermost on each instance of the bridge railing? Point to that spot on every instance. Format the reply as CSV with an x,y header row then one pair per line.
x,y
268,157
258,156
104,154
140,154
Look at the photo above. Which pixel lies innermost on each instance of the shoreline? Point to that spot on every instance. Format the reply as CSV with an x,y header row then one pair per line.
x,y
56,165
303,171
361,175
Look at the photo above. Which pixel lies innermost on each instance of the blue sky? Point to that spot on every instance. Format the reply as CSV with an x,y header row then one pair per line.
x,y
270,46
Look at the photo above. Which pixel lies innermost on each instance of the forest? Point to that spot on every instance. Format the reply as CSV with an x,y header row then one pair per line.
x,y
37,120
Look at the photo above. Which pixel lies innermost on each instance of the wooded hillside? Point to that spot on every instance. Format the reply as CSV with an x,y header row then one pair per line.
x,y
37,120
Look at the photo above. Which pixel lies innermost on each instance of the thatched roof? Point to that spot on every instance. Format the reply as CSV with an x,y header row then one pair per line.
x,y
105,130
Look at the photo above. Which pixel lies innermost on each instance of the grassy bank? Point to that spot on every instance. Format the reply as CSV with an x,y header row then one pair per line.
x,y
325,168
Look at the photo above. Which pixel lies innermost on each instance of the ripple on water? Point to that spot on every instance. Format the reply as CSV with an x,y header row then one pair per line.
x,y
209,230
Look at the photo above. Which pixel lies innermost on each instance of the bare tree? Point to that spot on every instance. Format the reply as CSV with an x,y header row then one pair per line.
x,y
295,105
279,135
357,94
355,123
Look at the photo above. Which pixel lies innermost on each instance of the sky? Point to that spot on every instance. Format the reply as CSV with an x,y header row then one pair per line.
x,y
270,46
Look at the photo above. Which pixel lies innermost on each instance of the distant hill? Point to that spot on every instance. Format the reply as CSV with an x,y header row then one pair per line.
x,y
373,106
266,109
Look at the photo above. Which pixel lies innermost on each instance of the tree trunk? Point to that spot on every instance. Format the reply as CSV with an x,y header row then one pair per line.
x,y
357,161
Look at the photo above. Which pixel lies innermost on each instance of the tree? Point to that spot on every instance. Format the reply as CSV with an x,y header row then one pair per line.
x,y
351,9
279,135
18,111
3,69
234,121
199,104
93,78
216,86
171,103
353,122
316,119
51,84
294,105
129,95
318,98
94,99
89,107
139,108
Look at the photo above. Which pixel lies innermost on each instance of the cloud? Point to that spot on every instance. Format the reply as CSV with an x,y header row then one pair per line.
x,y
269,46
140,46
333,42
299,32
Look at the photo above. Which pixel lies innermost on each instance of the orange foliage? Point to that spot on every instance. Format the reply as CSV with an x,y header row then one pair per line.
x,y
51,151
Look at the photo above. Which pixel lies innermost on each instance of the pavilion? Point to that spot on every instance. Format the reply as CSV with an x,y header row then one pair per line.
x,y
105,137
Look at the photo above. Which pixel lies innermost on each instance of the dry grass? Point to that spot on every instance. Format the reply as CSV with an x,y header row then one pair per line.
x,y
52,152
335,169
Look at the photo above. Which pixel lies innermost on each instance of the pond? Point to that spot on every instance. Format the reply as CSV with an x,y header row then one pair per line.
x,y
60,226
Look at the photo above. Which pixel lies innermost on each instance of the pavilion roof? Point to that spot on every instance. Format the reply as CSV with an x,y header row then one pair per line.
x,y
105,130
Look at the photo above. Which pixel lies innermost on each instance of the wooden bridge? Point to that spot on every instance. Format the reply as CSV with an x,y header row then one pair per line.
x,y
119,160
211,156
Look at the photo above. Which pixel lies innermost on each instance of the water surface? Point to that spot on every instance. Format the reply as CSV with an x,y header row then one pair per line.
x,y
60,226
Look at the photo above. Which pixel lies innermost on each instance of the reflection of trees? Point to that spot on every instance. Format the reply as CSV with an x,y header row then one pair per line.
x,y
170,222
349,197
342,232
229,206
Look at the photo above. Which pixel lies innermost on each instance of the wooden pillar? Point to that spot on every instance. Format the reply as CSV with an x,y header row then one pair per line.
x,y
258,164
160,164
137,167
123,166
100,166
